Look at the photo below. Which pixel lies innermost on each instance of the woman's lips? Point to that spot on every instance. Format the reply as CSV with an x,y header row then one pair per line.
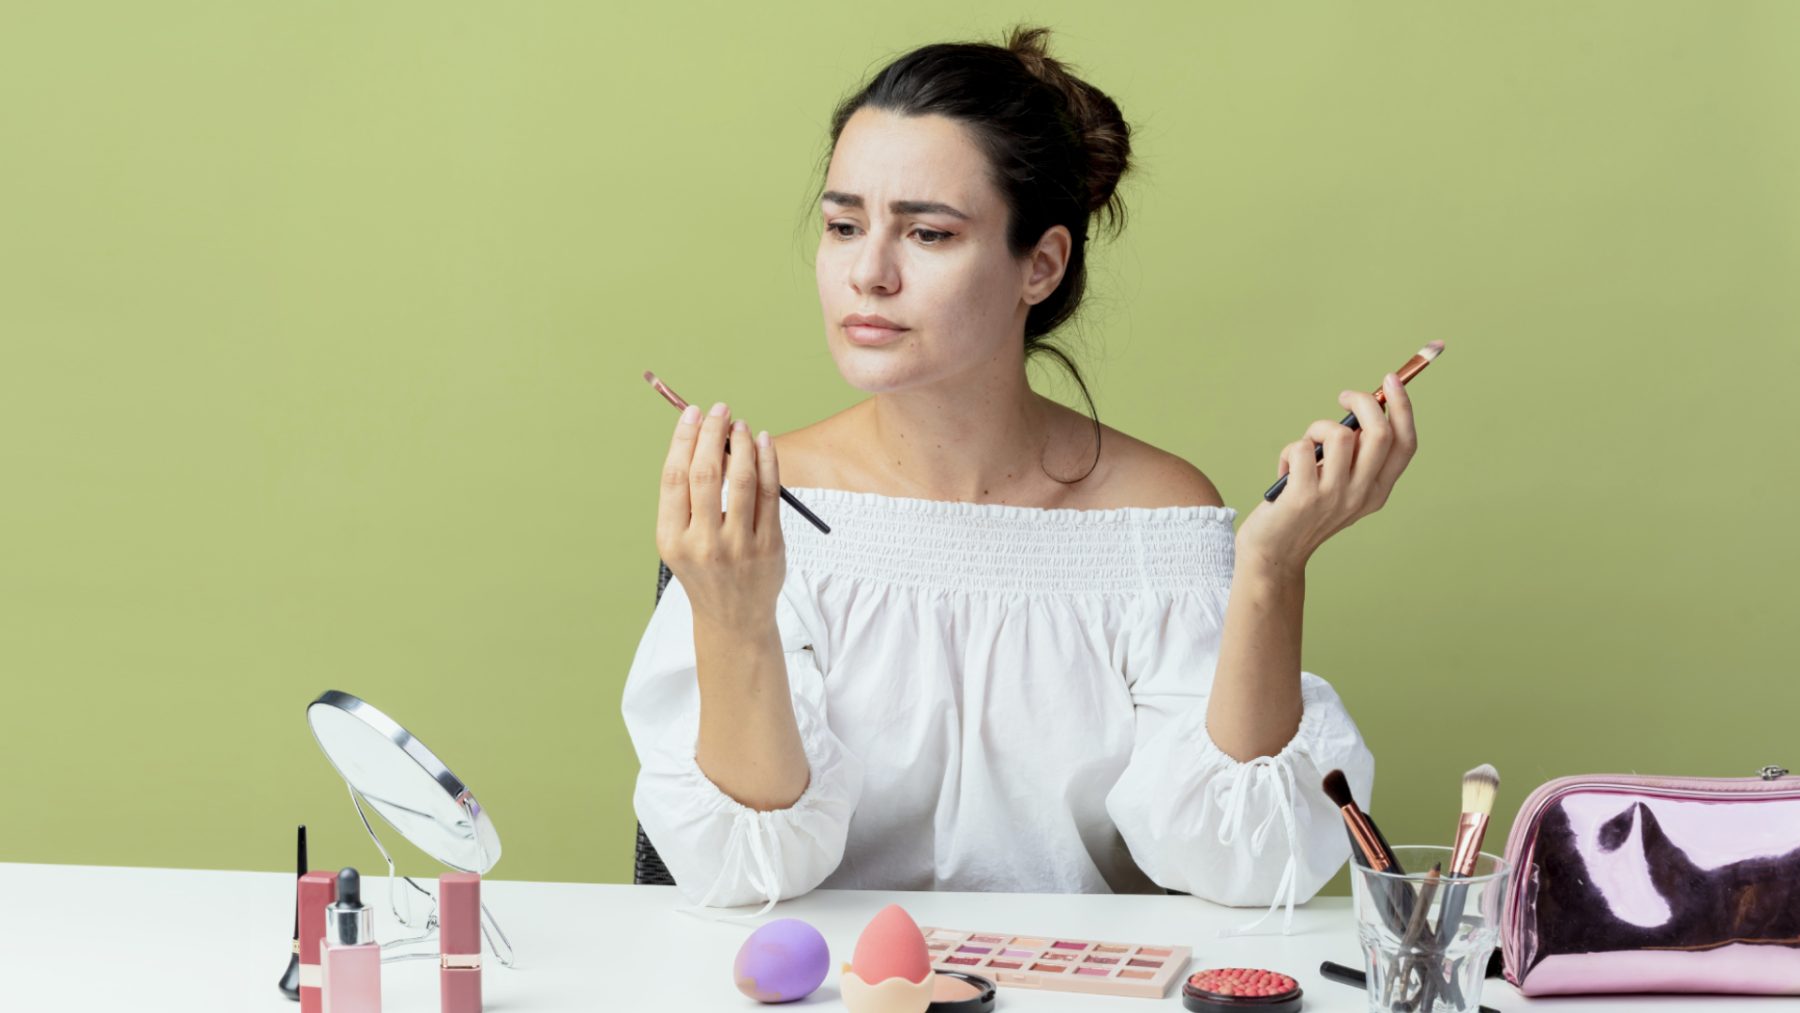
x,y
864,334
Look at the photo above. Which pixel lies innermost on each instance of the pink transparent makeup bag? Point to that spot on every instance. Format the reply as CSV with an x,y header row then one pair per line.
x,y
1628,883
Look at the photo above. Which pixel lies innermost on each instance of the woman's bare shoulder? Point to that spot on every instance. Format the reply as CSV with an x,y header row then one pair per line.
x,y
1141,475
806,455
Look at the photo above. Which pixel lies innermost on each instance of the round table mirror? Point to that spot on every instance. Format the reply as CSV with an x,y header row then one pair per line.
x,y
404,781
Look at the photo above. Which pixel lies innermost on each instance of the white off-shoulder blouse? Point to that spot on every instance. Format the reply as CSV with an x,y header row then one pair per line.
x,y
996,697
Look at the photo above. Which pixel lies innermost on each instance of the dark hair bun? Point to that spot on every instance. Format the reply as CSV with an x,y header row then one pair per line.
x,y
1101,128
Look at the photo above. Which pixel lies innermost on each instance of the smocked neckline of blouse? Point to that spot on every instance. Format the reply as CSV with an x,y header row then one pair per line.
x,y
953,545
1009,511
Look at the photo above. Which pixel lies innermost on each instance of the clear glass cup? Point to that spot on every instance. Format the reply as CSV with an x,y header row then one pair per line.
x,y
1417,963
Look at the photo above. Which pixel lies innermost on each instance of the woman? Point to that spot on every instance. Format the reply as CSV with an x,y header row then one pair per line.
x,y
1031,655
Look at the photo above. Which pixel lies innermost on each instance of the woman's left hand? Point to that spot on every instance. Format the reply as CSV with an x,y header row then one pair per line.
x,y
1323,497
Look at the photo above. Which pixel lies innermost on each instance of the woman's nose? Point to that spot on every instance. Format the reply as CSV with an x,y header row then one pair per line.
x,y
874,269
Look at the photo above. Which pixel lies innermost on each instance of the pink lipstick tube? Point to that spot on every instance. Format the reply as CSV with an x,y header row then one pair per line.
x,y
459,942
317,889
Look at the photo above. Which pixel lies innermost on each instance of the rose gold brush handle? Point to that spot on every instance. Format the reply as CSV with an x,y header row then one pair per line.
x,y
1362,834
787,497
1470,830
1414,366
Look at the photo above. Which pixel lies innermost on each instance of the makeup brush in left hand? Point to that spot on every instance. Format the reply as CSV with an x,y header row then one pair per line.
x,y
290,979
1413,367
788,497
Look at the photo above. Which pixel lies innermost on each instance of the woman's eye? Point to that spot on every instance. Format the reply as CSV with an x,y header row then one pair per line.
x,y
927,237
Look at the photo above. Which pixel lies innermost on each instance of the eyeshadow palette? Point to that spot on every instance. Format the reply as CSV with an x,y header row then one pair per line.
x,y
1061,963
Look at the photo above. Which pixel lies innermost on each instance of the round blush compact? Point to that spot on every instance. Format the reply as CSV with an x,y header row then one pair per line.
x,y
957,992
1234,989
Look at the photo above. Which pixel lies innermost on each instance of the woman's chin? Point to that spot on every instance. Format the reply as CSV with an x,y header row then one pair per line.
x,y
871,378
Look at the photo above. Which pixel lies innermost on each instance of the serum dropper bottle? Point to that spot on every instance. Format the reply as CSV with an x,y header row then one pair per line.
x,y
351,961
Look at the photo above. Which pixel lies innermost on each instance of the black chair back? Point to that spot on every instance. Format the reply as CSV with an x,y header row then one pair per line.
x,y
649,868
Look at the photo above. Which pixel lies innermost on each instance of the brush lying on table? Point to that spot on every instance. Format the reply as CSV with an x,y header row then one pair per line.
x,y
1357,979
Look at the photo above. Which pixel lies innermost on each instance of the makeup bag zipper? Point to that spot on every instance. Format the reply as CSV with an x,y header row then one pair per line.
x,y
1771,781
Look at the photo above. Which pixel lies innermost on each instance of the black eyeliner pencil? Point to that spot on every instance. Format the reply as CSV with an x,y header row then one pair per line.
x,y
789,498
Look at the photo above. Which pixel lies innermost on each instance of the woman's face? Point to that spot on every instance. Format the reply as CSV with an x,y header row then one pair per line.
x,y
914,231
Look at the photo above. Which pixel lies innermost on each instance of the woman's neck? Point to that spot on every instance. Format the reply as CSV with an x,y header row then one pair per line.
x,y
977,444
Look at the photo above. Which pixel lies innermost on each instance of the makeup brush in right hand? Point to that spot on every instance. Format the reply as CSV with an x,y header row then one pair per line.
x,y
789,498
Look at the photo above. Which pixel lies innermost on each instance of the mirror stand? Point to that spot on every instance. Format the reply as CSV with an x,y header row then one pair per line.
x,y
385,766
490,926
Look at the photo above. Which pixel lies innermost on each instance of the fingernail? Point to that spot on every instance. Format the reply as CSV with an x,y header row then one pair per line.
x,y
762,439
718,409
739,427
1393,380
690,415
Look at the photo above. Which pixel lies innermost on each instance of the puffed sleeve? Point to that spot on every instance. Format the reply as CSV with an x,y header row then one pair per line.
x,y
720,851
1199,821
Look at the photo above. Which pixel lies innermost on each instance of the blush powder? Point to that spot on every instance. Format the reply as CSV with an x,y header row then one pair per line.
x,y
1233,989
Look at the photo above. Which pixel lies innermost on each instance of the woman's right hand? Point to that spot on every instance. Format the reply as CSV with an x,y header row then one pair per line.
x,y
730,563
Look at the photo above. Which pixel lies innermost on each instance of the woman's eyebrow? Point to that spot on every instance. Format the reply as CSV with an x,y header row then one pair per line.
x,y
899,207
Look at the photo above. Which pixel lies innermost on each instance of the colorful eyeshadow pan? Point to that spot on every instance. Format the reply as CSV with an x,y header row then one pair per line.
x,y
1059,963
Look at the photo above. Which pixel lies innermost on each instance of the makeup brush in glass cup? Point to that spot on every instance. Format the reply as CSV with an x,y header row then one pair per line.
x,y
1414,366
1479,786
788,497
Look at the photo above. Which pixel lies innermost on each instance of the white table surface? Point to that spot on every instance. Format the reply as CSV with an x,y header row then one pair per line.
x,y
101,938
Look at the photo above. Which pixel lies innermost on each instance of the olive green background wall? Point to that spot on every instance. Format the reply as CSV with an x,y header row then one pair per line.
x,y
323,326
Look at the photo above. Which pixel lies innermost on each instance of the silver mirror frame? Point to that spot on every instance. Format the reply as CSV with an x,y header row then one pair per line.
x,y
486,839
